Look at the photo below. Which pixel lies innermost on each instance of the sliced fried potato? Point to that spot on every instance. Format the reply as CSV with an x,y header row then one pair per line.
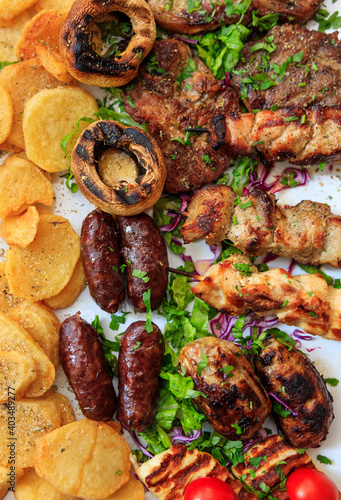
x,y
44,268
22,81
7,300
22,184
6,113
33,419
115,425
53,63
6,146
18,371
51,115
132,490
72,290
31,487
20,230
8,478
11,8
61,5
14,338
41,31
64,405
10,32
89,447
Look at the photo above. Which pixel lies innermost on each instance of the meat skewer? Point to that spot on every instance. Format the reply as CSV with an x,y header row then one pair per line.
x,y
306,301
308,232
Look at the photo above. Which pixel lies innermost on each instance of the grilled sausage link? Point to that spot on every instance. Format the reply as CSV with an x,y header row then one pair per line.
x,y
145,254
235,402
102,260
292,377
82,358
139,366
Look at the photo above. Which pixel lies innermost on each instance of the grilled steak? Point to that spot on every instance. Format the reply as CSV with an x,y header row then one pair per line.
x,y
173,91
308,232
299,68
202,15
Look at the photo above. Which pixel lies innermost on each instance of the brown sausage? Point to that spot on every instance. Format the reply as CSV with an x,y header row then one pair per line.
x,y
82,359
102,260
139,366
144,249
291,377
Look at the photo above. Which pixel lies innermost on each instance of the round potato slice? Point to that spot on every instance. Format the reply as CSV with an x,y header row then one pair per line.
x,y
8,478
10,32
51,115
64,405
6,113
11,8
44,268
32,487
61,5
20,230
94,462
16,370
132,490
53,63
7,300
34,187
72,290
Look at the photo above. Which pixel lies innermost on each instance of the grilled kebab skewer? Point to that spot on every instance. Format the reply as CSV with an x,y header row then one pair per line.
x,y
308,232
235,286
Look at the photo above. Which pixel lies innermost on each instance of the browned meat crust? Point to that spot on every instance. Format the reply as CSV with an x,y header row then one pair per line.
x,y
206,15
235,286
301,136
235,403
169,105
308,232
292,377
315,79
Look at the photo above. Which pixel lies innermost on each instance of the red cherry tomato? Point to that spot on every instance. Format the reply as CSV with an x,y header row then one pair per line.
x,y
209,488
311,484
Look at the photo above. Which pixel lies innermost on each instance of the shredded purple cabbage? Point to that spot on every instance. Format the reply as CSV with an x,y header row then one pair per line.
x,y
222,325
282,403
201,266
248,444
312,349
177,435
292,266
258,179
188,40
227,81
269,258
134,437
176,217
299,335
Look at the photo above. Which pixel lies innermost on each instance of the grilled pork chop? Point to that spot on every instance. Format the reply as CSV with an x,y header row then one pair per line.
x,y
173,91
298,67
186,16
308,232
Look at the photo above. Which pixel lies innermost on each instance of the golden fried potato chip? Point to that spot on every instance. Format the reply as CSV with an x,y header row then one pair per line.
x,y
53,63
17,371
89,447
132,490
22,184
61,5
24,80
72,290
6,113
32,487
8,478
41,31
33,419
7,300
10,32
20,230
51,115
115,425
6,146
13,337
44,268
64,405
11,8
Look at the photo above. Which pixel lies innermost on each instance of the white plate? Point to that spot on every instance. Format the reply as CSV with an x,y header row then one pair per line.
x,y
324,187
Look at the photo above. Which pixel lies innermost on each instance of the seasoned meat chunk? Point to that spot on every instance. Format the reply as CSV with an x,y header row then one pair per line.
x,y
173,91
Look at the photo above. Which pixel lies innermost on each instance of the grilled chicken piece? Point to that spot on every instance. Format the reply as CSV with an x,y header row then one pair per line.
x,y
301,136
275,453
168,104
178,16
235,285
168,473
315,77
308,232
234,401
292,377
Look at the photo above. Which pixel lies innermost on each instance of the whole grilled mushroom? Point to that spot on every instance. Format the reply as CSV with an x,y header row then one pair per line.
x,y
124,197
84,63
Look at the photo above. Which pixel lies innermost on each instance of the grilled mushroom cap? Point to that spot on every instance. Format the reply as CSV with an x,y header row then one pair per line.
x,y
124,198
76,42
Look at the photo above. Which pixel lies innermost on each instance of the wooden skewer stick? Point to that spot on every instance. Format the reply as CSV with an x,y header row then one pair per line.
x,y
199,130
195,277
177,212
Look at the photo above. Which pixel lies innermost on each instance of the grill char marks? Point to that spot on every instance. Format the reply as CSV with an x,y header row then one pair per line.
x,y
292,377
169,106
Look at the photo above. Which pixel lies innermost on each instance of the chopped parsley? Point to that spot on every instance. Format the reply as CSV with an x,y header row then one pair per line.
x,y
141,275
245,269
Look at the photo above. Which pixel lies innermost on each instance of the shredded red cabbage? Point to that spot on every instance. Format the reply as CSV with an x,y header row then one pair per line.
x,y
299,335
202,265
269,258
222,325
134,437
177,435
313,349
298,176
176,217
188,40
262,435
282,403
292,266
227,81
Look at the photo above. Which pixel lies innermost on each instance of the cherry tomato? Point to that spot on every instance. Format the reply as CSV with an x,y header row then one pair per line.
x,y
311,484
209,488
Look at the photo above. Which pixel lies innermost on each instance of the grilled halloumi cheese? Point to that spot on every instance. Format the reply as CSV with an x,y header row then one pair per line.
x,y
168,474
